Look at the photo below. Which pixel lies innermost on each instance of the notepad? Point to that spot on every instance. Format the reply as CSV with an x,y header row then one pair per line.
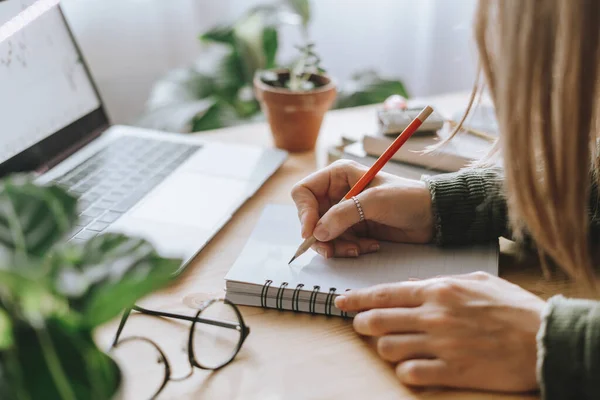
x,y
261,276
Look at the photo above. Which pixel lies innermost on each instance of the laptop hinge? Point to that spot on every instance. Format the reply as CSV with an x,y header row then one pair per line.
x,y
70,150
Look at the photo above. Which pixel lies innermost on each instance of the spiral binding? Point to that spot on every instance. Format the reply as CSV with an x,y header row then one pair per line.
x,y
263,293
312,302
329,300
279,298
296,297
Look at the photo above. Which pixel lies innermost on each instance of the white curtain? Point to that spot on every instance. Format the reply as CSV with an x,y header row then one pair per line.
x,y
131,43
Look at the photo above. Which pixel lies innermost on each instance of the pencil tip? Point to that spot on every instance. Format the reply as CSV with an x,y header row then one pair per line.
x,y
292,260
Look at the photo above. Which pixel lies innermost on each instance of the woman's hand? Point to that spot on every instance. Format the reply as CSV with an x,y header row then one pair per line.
x,y
395,209
469,331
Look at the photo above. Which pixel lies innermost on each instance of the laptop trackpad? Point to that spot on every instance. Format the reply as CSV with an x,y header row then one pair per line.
x,y
192,199
182,212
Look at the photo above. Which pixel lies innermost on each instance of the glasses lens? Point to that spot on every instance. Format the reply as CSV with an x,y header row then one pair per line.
x,y
137,357
216,340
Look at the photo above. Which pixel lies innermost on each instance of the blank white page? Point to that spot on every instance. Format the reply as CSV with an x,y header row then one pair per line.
x,y
277,236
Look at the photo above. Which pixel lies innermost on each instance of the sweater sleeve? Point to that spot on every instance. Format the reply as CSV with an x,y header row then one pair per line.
x,y
569,349
469,206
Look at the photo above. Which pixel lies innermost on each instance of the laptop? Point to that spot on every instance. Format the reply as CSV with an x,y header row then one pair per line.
x,y
175,190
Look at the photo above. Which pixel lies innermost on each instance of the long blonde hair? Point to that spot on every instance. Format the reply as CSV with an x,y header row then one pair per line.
x,y
540,61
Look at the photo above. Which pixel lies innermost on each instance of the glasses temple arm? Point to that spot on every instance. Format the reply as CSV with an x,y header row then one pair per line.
x,y
188,318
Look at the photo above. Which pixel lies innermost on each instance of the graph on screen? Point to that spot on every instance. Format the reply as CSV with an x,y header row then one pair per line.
x,y
43,83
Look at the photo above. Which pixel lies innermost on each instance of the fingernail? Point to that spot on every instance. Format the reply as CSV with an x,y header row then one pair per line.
x,y
340,301
321,233
322,251
374,247
352,253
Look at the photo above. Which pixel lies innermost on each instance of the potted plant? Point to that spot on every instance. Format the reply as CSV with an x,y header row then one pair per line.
x,y
295,100
216,90
53,294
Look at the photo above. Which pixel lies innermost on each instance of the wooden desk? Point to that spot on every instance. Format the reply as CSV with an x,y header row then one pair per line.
x,y
288,355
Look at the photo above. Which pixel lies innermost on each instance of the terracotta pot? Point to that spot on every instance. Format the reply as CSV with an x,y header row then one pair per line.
x,y
295,117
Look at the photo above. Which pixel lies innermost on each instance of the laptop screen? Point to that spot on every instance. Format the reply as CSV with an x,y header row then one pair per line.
x,y
44,83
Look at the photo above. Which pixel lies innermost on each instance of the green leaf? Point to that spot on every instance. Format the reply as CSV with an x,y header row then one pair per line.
x,y
27,295
302,8
270,45
220,115
109,273
6,335
57,362
184,85
246,110
219,34
228,76
177,99
176,117
256,39
32,217
11,380
367,87
249,34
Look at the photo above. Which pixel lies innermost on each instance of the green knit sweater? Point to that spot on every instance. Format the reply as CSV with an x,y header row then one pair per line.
x,y
470,207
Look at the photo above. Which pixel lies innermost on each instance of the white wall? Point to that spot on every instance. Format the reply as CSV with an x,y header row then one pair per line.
x,y
131,43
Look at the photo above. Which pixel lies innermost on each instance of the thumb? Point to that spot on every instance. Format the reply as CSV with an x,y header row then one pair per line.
x,y
338,219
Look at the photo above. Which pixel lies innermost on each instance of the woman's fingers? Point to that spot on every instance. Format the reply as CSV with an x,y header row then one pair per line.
x,y
353,247
329,185
397,348
324,249
367,245
383,321
337,248
346,246
308,208
424,372
342,216
399,294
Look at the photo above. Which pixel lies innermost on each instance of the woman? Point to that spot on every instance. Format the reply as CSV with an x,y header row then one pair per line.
x,y
540,61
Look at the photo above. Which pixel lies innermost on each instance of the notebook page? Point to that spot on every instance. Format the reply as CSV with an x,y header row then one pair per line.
x,y
277,236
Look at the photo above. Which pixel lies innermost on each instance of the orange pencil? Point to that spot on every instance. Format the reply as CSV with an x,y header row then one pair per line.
x,y
375,168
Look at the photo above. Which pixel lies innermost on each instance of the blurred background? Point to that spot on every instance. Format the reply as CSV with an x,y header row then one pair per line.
x,y
131,45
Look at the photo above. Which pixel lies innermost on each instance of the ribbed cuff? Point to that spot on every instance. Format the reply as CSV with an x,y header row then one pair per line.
x,y
468,206
569,349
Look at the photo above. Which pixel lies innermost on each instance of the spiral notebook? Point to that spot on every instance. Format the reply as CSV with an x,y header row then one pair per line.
x,y
261,275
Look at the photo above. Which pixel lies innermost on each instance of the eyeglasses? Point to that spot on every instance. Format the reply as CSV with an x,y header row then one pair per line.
x,y
217,333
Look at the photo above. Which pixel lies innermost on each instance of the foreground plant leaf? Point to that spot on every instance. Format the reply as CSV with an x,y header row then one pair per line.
x,y
108,274
57,362
33,218
53,294
27,295
6,335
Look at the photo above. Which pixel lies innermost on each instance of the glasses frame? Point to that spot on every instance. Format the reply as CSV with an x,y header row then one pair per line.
x,y
241,327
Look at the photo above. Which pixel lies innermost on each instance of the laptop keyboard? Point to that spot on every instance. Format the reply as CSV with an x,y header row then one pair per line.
x,y
113,180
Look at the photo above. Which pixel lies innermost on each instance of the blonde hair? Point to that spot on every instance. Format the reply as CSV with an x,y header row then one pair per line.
x,y
540,61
